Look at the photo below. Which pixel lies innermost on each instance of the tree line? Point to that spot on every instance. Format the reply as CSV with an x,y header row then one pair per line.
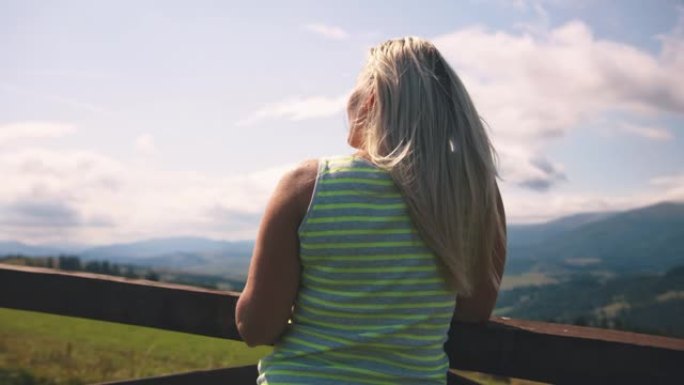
x,y
75,263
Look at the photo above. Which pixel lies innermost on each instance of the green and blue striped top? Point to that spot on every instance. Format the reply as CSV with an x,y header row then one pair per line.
x,y
372,307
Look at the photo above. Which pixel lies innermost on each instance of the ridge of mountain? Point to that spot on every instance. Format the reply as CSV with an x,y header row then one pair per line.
x,y
648,238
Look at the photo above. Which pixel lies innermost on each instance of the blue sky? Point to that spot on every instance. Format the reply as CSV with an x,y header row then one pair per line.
x,y
123,120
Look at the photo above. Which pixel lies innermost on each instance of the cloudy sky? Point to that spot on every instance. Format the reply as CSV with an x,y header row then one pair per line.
x,y
122,120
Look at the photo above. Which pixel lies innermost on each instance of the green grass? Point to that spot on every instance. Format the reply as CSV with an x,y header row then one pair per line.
x,y
66,349
47,349
526,279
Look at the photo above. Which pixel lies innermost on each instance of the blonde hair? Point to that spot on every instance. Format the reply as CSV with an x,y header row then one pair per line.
x,y
419,123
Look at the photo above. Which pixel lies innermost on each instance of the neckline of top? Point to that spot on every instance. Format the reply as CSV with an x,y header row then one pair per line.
x,y
362,158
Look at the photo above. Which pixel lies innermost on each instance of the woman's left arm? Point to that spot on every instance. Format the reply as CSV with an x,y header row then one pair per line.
x,y
265,305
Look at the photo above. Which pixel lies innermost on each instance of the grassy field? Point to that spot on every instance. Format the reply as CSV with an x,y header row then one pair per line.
x,y
527,279
56,350
72,350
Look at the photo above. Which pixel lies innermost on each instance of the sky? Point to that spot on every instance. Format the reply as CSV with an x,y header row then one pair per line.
x,y
126,120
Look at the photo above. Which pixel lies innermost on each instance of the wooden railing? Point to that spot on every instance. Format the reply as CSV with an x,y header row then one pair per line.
x,y
538,351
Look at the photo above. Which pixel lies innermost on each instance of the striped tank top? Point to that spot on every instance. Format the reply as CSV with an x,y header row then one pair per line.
x,y
372,307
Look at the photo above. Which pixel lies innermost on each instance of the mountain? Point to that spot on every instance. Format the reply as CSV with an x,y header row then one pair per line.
x,y
529,234
14,247
160,246
649,303
191,254
601,269
647,239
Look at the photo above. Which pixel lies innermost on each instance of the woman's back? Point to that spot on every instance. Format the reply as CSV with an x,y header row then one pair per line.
x,y
372,307
364,285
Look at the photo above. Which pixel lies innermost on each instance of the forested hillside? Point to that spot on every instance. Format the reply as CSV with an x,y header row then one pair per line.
x,y
652,304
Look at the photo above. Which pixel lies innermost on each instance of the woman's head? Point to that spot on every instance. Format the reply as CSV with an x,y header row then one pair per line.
x,y
412,115
408,94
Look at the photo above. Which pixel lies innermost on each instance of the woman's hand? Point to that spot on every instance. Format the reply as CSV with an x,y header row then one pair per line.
x,y
265,305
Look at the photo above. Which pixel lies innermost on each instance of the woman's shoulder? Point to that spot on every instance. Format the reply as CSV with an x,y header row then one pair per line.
x,y
301,180
308,169
302,177
355,160
304,171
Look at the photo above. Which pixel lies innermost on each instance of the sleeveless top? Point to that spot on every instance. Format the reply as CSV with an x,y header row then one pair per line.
x,y
372,307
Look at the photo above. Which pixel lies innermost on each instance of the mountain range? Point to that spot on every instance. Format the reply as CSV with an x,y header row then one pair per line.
x,y
190,254
647,239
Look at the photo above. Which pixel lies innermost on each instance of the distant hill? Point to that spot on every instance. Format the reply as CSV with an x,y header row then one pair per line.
x,y
192,254
601,269
159,246
13,247
531,234
645,239
646,303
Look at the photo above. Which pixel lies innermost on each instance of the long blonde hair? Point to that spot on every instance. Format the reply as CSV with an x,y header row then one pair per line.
x,y
419,123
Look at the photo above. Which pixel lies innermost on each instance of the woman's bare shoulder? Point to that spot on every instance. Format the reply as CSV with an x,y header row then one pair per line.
x,y
301,181
306,170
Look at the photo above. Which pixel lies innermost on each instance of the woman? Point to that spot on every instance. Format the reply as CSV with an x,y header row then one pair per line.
x,y
360,260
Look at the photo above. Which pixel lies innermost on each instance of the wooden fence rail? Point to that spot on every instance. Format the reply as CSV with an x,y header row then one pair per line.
x,y
553,353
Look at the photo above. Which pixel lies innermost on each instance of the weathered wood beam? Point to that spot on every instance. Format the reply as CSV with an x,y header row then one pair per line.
x,y
525,349
565,354
243,375
158,305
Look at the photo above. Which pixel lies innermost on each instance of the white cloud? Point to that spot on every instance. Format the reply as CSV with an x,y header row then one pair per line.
x,y
83,196
541,22
50,195
671,187
145,144
530,170
30,130
298,108
533,88
523,208
648,132
327,31
529,88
